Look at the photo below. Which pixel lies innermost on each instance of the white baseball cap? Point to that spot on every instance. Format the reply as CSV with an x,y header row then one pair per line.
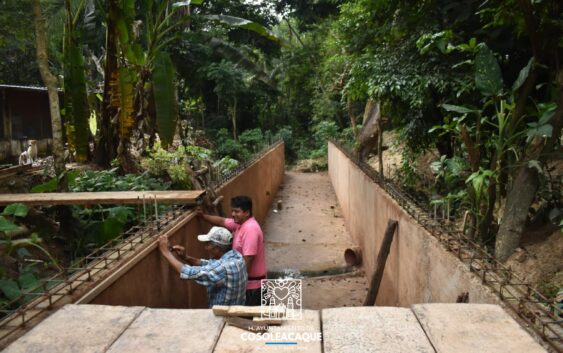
x,y
218,235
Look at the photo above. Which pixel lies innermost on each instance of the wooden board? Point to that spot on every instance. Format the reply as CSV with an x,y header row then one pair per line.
x,y
252,311
77,328
170,330
473,328
15,170
106,197
373,329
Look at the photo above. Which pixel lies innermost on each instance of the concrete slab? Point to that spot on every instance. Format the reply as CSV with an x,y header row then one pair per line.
x,y
334,291
479,328
77,328
373,329
171,330
283,338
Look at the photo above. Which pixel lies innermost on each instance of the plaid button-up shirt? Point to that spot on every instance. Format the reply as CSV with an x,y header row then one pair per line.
x,y
225,278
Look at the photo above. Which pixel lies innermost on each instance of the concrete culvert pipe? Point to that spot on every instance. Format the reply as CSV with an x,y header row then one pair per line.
x,y
353,256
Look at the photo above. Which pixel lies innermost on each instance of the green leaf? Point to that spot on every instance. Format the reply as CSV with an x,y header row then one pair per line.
x,y
478,181
49,186
107,230
187,3
523,75
23,252
543,131
7,226
546,116
10,288
16,209
165,100
488,77
458,109
27,280
121,213
246,24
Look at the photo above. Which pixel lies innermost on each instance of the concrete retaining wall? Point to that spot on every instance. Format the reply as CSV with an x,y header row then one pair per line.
x,y
418,269
152,283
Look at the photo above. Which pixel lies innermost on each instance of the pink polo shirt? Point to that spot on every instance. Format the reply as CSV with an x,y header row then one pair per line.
x,y
249,241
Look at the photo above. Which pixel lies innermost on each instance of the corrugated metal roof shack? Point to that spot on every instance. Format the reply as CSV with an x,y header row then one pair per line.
x,y
24,115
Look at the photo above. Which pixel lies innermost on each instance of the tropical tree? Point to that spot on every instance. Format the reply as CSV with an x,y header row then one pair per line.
x,y
77,111
17,44
50,82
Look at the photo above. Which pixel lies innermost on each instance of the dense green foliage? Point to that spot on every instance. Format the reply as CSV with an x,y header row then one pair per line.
x,y
478,82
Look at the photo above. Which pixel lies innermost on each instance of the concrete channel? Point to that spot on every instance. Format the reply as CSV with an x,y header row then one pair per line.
x,y
308,221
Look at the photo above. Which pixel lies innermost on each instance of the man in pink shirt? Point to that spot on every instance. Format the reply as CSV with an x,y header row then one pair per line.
x,y
248,240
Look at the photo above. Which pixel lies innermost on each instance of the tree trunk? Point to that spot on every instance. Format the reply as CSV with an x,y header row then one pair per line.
x,y
380,149
518,203
234,119
352,117
525,186
50,82
106,142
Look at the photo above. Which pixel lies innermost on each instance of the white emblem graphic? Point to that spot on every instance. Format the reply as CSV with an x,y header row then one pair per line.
x,y
281,299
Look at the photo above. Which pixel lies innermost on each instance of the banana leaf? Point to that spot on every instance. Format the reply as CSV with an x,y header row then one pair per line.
x,y
126,99
122,98
77,110
79,102
164,93
246,24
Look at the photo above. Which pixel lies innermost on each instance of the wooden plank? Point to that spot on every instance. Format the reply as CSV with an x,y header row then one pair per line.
x,y
373,329
380,265
473,328
77,328
171,330
252,311
220,310
15,170
105,197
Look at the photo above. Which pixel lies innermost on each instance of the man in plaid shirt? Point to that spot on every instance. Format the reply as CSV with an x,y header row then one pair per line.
x,y
224,275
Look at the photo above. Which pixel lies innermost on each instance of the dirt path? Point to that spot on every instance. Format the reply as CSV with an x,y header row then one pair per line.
x,y
308,236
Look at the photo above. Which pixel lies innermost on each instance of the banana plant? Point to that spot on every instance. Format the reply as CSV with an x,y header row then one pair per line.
x,y
139,88
77,110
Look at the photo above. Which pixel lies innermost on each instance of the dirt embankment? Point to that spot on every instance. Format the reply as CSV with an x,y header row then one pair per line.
x,y
538,261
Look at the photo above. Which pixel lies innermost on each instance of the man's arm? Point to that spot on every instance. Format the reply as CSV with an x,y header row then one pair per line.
x,y
248,261
163,247
211,219
208,275
180,252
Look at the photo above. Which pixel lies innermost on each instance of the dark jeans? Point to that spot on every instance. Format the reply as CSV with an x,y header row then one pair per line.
x,y
253,297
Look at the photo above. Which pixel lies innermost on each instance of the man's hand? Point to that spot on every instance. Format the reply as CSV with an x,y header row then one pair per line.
x,y
211,219
179,251
163,244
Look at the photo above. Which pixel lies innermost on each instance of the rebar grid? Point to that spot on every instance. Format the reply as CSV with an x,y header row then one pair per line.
x,y
543,316
54,289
